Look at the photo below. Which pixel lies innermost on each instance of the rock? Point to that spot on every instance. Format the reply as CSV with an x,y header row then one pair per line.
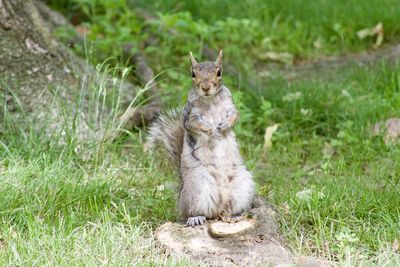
x,y
253,241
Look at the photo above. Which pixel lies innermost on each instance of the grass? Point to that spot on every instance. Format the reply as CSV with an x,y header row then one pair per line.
x,y
352,211
55,212
248,31
66,202
61,207
292,26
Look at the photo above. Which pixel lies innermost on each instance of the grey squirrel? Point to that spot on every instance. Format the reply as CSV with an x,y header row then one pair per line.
x,y
201,143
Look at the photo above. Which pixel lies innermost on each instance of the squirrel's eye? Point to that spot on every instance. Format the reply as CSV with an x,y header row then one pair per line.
x,y
219,73
193,74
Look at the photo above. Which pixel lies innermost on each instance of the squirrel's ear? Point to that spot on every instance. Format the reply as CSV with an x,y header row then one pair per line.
x,y
219,59
192,60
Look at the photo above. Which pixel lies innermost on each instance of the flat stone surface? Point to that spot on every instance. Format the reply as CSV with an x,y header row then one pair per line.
x,y
258,244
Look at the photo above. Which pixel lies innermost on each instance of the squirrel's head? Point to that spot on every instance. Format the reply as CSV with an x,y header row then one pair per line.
x,y
206,76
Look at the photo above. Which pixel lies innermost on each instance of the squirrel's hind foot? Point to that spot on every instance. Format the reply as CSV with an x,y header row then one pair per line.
x,y
193,221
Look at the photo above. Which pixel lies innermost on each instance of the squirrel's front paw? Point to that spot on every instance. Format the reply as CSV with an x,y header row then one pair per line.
x,y
193,221
216,134
223,126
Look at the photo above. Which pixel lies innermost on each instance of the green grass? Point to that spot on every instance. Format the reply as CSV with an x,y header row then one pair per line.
x,y
62,207
291,25
246,30
68,202
357,214
72,201
58,212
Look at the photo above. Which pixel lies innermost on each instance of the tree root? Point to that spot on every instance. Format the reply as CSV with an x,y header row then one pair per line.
x,y
133,116
138,116
5,16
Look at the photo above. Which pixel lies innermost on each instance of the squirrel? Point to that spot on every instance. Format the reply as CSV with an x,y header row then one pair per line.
x,y
200,141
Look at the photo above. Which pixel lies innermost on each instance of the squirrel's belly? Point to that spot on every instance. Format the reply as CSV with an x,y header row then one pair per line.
x,y
219,153
220,159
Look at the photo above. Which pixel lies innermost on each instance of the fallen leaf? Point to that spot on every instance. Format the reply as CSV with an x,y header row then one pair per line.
x,y
291,97
345,235
377,31
286,207
345,93
389,128
283,57
82,30
395,246
306,194
317,43
265,74
2,243
305,112
328,151
161,187
269,131
364,33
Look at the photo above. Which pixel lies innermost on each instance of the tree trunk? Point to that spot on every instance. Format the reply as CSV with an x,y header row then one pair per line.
x,y
30,59
34,67
41,81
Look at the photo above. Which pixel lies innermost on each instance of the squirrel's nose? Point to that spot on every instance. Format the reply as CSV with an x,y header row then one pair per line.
x,y
206,88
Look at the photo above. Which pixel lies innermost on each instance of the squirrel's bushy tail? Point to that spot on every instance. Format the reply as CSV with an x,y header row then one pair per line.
x,y
166,133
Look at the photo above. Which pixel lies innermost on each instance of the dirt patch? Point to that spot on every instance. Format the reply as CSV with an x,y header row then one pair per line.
x,y
327,65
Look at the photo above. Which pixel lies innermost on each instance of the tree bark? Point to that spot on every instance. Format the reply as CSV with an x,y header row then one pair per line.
x,y
41,81
29,57
33,65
